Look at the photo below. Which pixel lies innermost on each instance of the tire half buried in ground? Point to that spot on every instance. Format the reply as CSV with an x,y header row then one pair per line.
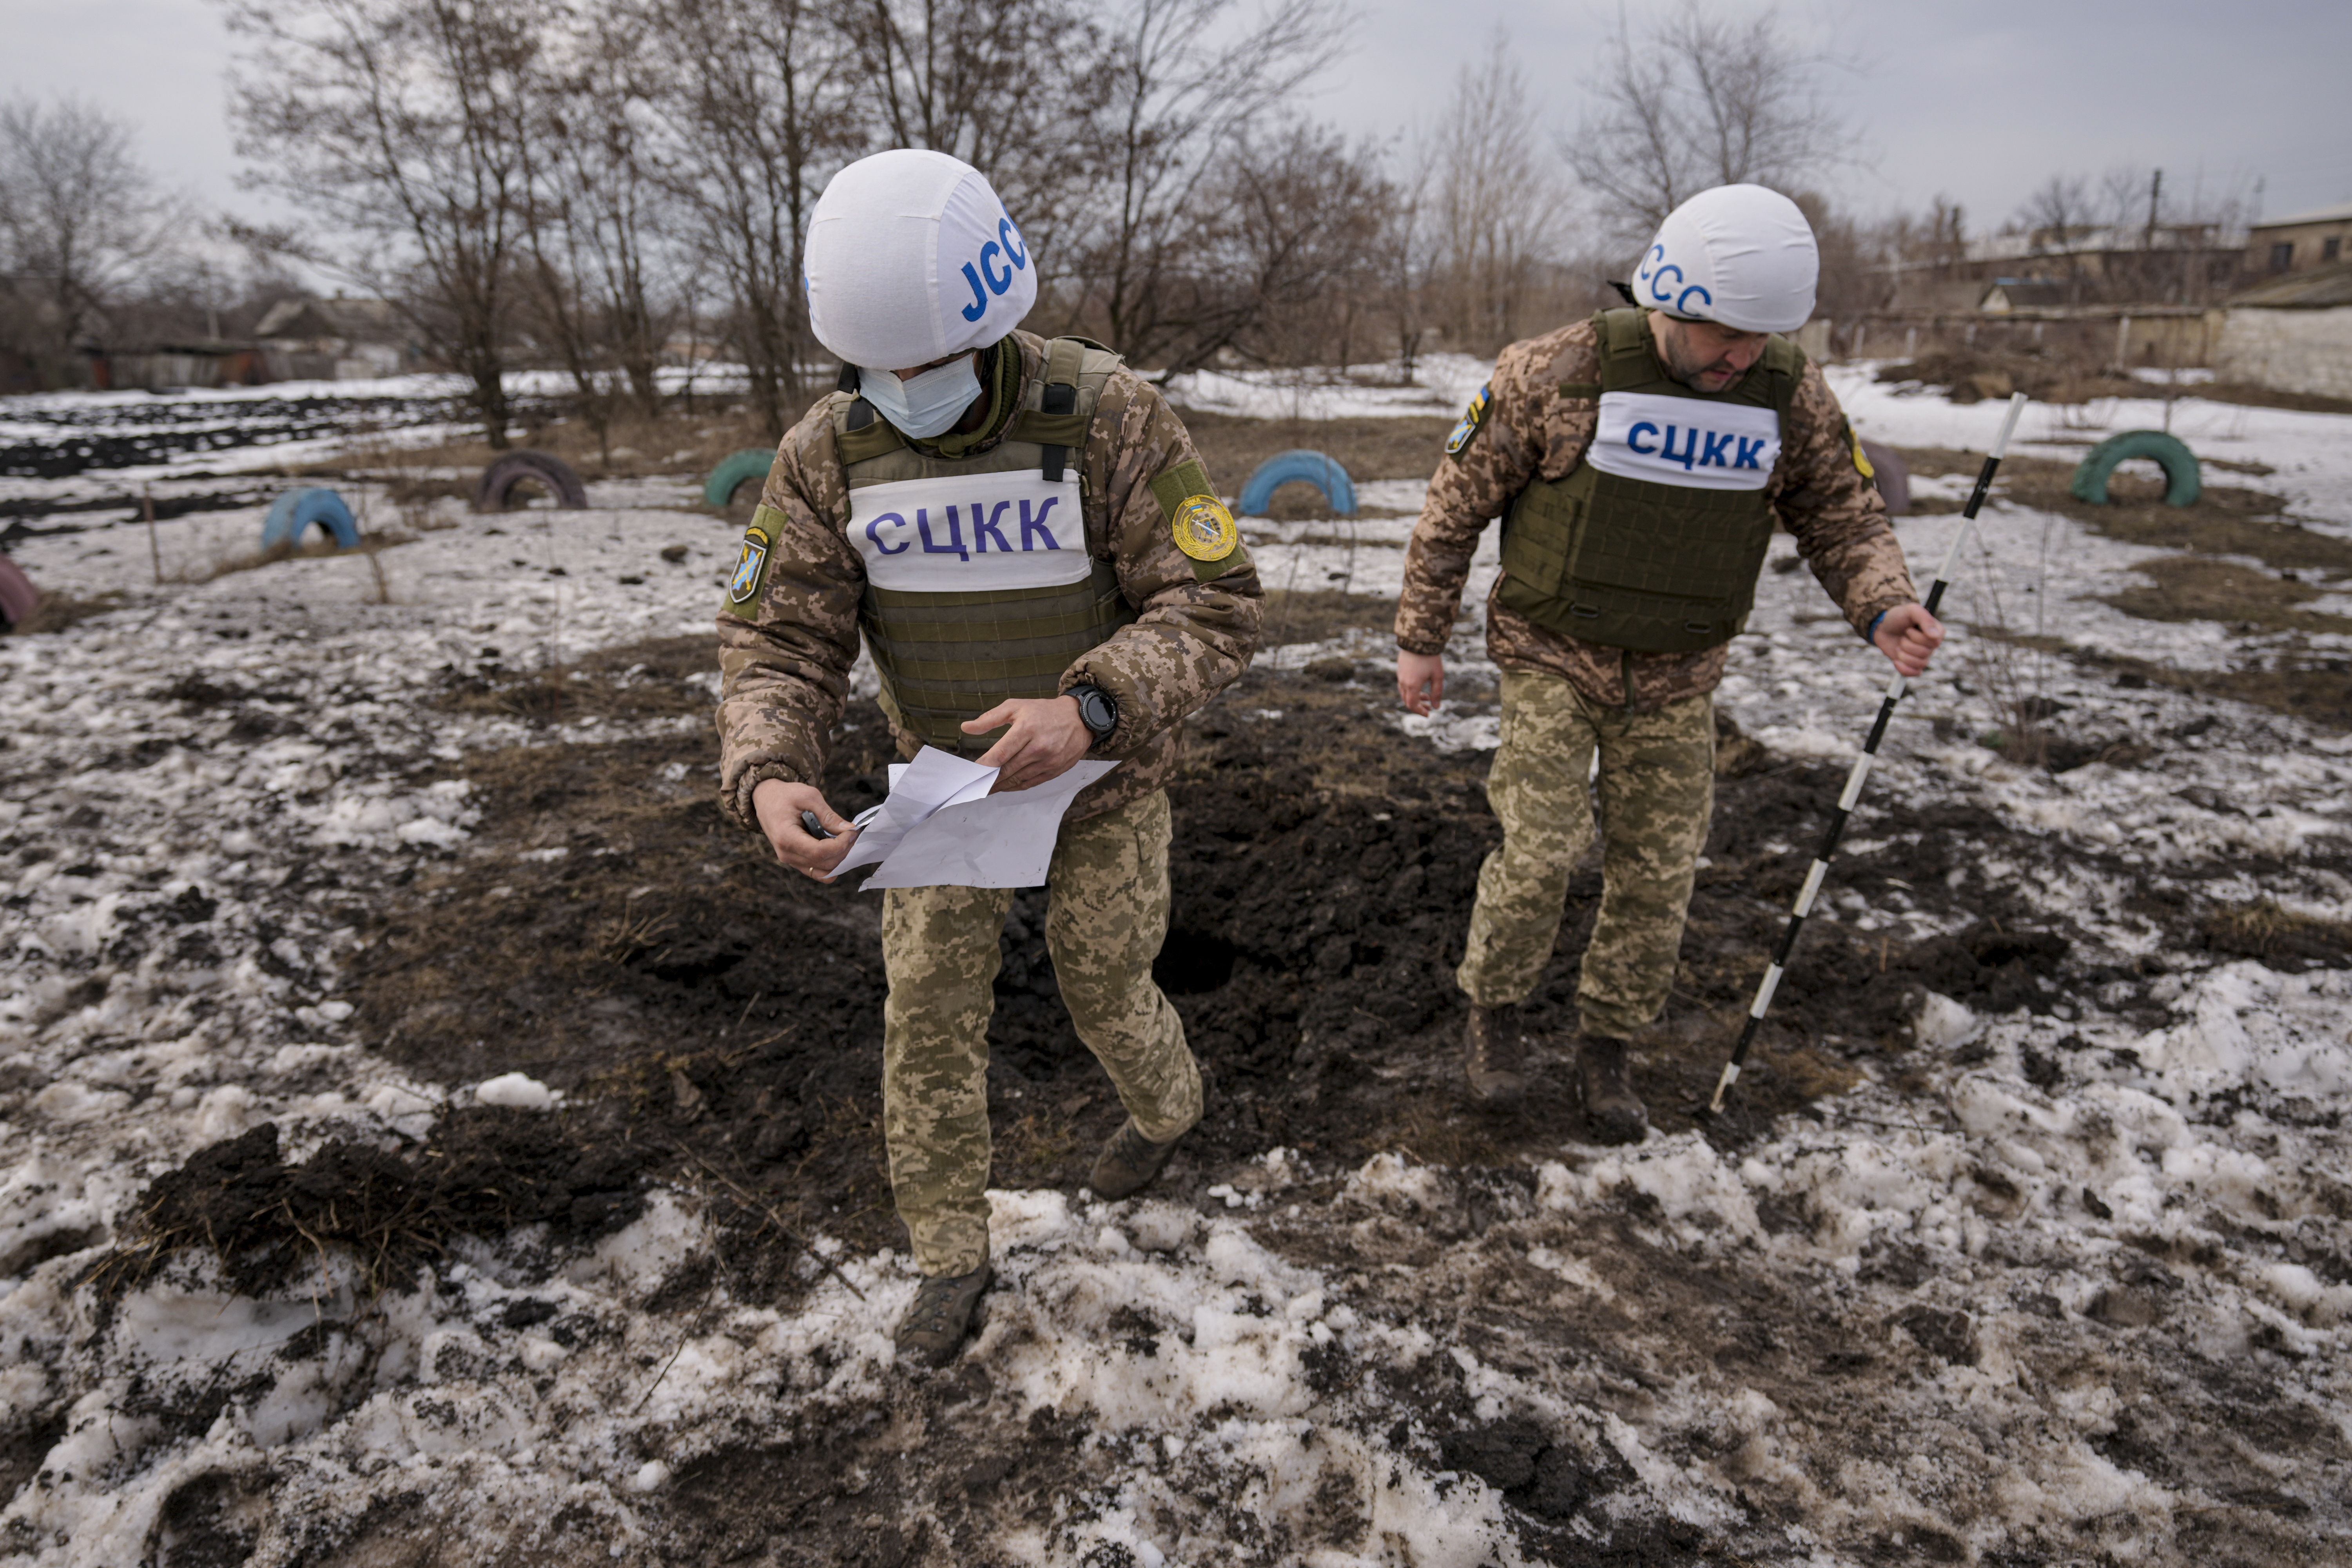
x,y
504,475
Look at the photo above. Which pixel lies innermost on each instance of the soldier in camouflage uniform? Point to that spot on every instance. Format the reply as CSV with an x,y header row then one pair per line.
x,y
1639,460
932,509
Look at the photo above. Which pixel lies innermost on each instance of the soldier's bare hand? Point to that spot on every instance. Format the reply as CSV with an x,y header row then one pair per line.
x,y
1046,738
1421,680
1908,635
778,804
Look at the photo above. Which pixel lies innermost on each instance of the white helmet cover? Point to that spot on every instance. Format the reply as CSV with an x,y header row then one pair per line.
x,y
1739,255
911,258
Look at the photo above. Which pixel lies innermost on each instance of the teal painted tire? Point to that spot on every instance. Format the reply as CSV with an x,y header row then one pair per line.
x,y
1324,473
2183,481
293,514
746,466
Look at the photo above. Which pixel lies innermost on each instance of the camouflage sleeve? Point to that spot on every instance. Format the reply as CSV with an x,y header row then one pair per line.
x,y
1517,427
1193,637
1836,514
788,624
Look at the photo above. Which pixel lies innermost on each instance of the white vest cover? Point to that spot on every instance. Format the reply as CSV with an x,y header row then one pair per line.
x,y
1693,442
963,533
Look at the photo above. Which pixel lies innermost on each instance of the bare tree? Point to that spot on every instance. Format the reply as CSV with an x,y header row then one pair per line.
x,y
990,81
1282,268
755,98
1497,204
1406,259
1181,85
404,129
80,218
1854,281
2056,217
2059,208
596,247
1701,101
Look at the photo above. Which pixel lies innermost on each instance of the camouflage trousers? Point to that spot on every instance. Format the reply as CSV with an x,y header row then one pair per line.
x,y
1106,915
1656,784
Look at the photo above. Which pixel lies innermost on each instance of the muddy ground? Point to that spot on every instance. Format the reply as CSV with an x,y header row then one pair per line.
x,y
665,972
715,1024
2207,576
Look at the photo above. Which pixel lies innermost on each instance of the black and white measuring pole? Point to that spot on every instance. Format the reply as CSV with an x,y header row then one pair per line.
x,y
1862,764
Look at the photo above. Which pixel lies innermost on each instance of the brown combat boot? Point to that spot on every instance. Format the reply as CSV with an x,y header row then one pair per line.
x,y
1495,1055
1612,1111
1128,1163
934,1327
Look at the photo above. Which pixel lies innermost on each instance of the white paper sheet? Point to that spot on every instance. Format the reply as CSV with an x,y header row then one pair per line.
x,y
941,828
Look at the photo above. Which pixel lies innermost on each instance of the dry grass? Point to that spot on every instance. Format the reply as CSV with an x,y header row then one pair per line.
x,y
2262,929
634,447
641,680
2200,588
57,611
1318,615
632,932
1386,448
2228,519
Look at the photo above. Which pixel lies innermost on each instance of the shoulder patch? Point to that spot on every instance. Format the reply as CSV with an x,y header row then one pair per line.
x,y
1473,420
1860,457
750,572
1197,521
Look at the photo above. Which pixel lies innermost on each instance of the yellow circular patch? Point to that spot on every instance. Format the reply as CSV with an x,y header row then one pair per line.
x,y
1204,530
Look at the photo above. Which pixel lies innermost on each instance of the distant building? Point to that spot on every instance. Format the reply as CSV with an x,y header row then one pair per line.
x,y
336,339
207,363
2292,333
2305,240
2009,296
2052,269
2121,294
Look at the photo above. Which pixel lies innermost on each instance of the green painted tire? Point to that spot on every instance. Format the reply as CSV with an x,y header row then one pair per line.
x,y
2183,482
742,467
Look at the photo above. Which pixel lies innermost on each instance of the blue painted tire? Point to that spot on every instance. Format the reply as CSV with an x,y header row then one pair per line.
x,y
2183,480
742,468
292,514
1324,473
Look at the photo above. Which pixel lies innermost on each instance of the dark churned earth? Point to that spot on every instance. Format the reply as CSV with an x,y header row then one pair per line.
x,y
1934,1290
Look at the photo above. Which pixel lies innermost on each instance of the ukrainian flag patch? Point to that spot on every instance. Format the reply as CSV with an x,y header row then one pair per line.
x,y
1860,459
1473,420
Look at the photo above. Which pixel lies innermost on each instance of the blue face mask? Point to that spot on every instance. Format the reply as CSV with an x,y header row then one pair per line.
x,y
923,405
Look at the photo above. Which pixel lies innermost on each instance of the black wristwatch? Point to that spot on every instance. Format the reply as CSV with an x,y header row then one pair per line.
x,y
1096,711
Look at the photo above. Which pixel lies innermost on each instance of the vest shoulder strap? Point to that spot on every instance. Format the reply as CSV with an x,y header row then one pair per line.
x,y
1784,362
1629,362
1076,372
860,433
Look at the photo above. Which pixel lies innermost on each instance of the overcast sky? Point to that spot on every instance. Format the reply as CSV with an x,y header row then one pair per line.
x,y
1980,102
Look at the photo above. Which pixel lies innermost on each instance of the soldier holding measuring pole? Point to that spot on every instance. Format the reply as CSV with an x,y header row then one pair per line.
x,y
1640,462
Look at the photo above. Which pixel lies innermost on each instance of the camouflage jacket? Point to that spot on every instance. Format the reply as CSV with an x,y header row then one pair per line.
x,y
1532,432
786,669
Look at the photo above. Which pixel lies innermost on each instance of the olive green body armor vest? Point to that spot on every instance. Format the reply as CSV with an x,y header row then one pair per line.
x,y
978,582
1652,542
